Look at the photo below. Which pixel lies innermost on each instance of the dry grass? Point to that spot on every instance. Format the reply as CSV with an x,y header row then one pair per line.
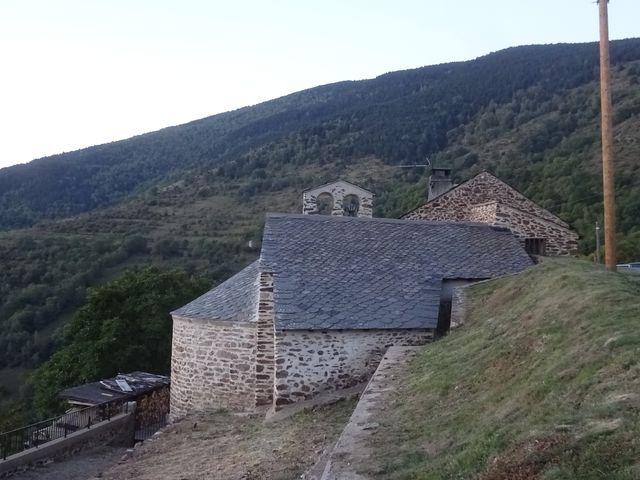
x,y
542,383
222,446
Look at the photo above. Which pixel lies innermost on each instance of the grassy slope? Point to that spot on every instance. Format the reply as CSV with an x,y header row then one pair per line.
x,y
543,382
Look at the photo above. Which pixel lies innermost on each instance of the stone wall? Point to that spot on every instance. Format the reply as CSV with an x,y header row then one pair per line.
x,y
558,240
459,306
483,188
213,365
483,213
485,199
338,191
265,333
308,362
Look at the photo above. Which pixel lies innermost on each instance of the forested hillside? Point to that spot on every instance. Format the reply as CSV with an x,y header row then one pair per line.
x,y
194,196
400,116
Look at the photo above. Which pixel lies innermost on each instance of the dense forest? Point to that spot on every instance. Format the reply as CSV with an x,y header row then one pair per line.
x,y
123,326
193,197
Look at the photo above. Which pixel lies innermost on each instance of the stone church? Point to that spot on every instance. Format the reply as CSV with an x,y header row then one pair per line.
x,y
332,290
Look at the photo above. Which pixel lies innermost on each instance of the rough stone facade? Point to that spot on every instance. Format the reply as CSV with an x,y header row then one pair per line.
x,y
459,304
337,192
213,365
483,213
558,240
240,365
308,362
265,345
486,199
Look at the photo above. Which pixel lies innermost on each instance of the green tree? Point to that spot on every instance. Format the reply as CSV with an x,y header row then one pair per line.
x,y
124,326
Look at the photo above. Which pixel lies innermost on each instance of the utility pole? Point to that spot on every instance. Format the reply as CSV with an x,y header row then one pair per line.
x,y
607,142
597,242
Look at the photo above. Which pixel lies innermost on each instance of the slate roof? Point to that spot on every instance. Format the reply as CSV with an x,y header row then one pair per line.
x,y
374,273
335,272
236,299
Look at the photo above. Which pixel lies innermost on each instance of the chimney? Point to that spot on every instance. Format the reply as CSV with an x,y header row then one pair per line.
x,y
439,182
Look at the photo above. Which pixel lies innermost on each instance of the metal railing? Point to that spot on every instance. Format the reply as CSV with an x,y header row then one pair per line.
x,y
145,430
36,434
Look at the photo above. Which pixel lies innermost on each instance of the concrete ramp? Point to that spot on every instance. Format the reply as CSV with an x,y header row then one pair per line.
x,y
351,452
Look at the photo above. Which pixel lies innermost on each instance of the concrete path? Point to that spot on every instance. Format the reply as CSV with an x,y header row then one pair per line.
x,y
351,451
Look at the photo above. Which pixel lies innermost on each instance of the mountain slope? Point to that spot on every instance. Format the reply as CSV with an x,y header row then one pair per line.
x,y
400,116
194,196
541,382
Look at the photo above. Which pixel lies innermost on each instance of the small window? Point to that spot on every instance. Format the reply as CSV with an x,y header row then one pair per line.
x,y
534,246
350,206
324,204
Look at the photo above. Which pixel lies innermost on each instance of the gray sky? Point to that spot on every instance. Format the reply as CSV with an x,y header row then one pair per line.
x,y
77,73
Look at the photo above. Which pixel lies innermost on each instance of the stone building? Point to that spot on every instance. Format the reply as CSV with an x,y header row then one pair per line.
x,y
327,297
486,199
338,198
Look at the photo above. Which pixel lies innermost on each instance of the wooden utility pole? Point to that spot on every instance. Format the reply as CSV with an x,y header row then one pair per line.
x,y
597,243
607,142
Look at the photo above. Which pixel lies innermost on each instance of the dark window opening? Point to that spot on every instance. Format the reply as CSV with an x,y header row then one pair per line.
x,y
444,318
534,246
447,298
324,203
350,206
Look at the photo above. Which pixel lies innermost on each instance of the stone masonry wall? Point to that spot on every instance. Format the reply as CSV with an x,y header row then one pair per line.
x,y
459,306
486,199
483,188
308,362
483,213
558,240
213,365
338,191
265,336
